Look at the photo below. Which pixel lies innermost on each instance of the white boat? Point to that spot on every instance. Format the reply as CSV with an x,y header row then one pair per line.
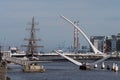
x,y
14,52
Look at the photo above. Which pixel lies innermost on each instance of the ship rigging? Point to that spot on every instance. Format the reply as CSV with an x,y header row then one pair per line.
x,y
32,44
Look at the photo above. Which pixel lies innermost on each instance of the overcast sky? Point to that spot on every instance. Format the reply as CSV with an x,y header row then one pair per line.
x,y
96,17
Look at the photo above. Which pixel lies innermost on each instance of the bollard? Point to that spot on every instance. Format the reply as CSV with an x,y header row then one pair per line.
x,y
95,66
103,66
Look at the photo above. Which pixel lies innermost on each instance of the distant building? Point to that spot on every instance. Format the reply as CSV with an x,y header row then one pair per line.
x,y
118,42
106,43
97,42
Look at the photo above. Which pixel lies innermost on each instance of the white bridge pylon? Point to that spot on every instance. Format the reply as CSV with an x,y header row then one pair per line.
x,y
96,51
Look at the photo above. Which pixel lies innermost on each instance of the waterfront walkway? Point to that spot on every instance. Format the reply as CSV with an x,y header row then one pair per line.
x,y
7,57
28,66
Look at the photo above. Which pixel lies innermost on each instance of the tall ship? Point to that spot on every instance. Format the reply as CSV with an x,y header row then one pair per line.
x,y
32,46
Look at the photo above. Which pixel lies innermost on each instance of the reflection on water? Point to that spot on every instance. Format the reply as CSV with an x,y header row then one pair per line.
x,y
64,71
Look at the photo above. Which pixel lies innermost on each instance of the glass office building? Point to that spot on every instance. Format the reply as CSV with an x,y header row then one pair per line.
x,y
106,43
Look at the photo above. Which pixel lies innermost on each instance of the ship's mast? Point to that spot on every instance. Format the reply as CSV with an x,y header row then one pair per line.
x,y
32,46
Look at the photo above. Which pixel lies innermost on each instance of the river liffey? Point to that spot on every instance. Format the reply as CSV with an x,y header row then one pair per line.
x,y
64,71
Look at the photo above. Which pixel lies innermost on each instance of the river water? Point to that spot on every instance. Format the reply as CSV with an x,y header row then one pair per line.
x,y
64,71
